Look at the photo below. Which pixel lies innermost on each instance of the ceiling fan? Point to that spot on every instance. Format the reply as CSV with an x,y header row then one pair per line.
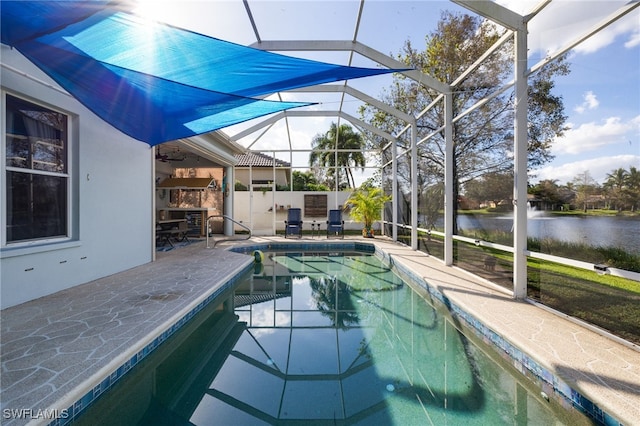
x,y
163,158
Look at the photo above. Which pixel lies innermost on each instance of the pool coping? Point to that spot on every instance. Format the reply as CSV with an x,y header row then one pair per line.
x,y
144,306
123,363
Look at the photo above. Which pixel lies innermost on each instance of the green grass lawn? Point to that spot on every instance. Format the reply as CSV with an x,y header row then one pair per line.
x,y
611,303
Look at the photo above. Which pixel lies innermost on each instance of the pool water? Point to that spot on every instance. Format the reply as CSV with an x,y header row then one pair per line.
x,y
325,338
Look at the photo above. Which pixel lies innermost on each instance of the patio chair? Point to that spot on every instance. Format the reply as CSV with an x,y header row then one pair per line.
x,y
335,224
293,224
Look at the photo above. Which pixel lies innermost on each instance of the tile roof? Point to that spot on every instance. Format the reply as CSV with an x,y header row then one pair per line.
x,y
257,159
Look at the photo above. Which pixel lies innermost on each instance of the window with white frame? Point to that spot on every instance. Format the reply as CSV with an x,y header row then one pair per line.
x,y
37,172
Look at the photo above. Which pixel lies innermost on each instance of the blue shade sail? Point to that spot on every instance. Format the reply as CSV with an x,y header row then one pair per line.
x,y
22,20
129,41
153,81
145,107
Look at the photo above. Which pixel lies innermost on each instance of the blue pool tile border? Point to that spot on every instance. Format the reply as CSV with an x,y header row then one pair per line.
x,y
307,246
74,410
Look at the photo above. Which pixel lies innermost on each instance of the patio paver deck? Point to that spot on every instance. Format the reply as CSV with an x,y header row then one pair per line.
x,y
57,348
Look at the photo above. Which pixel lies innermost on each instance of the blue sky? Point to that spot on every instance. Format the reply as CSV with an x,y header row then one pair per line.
x,y
601,95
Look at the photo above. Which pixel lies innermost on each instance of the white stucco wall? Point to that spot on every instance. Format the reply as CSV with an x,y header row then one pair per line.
x,y
264,221
113,191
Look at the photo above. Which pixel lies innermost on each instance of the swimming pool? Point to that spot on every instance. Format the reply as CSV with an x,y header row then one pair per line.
x,y
326,338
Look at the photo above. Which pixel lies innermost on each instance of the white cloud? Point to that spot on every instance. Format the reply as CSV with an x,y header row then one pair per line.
x,y
597,167
590,136
590,102
301,132
627,26
634,39
561,22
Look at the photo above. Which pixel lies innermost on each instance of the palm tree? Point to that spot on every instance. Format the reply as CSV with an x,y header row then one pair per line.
x,y
617,178
615,185
633,178
633,186
324,152
366,205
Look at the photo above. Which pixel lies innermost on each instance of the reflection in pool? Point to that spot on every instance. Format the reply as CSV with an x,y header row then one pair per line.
x,y
324,338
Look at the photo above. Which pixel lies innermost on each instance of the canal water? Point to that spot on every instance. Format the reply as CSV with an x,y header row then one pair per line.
x,y
606,231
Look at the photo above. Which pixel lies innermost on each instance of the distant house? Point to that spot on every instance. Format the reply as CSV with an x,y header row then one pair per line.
x,y
595,202
261,170
465,203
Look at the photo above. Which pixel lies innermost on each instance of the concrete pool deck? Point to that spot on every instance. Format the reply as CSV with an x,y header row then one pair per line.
x,y
57,348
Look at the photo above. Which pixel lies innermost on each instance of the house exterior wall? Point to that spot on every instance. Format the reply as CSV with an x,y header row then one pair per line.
x,y
112,192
